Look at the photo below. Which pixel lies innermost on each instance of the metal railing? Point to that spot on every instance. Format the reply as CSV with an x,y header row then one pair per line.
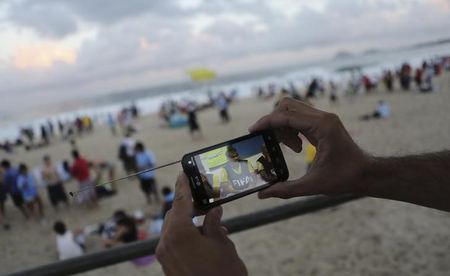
x,y
143,248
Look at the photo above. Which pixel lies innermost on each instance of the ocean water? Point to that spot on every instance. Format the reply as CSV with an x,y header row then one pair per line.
x,y
149,100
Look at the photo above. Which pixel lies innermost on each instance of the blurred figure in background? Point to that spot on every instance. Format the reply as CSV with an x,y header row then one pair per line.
x,y
168,196
67,244
145,159
3,197
126,154
30,195
80,171
10,175
111,124
388,79
382,112
55,188
222,105
192,120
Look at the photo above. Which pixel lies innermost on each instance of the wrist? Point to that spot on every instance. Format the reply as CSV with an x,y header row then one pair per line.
x,y
368,167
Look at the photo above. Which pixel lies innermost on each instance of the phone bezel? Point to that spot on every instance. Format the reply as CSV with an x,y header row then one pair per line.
x,y
193,174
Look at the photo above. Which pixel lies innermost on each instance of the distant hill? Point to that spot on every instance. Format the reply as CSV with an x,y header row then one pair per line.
x,y
369,52
430,43
343,55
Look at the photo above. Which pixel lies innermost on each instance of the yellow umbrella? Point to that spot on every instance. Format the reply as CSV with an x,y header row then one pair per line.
x,y
201,74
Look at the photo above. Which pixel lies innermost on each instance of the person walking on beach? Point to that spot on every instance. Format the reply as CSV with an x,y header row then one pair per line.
x,y
10,181
80,171
30,195
418,179
145,159
55,188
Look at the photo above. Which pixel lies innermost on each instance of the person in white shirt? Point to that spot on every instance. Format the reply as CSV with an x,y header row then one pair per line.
x,y
66,243
382,112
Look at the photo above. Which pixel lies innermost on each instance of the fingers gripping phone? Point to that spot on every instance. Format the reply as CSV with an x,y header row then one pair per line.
x,y
235,168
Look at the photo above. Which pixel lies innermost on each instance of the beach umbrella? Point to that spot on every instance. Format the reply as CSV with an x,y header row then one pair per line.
x,y
201,74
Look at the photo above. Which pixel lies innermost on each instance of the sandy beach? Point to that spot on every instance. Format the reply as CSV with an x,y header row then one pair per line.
x,y
365,237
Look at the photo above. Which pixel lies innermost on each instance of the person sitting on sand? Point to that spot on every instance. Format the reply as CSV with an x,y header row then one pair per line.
x,y
168,197
382,112
126,232
419,179
68,245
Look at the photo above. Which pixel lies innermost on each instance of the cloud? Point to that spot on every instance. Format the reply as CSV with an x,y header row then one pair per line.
x,y
52,21
43,55
59,18
135,39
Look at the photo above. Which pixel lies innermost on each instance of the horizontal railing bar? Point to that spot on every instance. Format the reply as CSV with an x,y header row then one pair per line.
x,y
143,248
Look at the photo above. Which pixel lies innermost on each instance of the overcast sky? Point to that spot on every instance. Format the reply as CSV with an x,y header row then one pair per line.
x,y
56,49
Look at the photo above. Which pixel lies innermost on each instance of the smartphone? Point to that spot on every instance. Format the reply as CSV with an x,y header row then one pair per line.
x,y
235,168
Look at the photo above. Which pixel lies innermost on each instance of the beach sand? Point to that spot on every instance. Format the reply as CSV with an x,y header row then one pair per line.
x,y
365,237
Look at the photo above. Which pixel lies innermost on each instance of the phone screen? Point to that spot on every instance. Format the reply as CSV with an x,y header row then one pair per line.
x,y
234,168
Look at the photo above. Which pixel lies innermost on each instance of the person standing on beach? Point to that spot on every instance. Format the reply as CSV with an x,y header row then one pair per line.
x,y
10,181
80,171
145,160
192,120
55,188
126,154
3,197
419,179
388,79
30,195
222,104
111,124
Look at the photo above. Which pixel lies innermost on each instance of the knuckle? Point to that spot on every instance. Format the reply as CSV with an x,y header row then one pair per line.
x,y
179,197
285,102
329,120
160,252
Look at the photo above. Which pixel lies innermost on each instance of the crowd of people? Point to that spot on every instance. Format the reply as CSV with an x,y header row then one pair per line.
x,y
121,228
21,184
51,131
403,77
179,114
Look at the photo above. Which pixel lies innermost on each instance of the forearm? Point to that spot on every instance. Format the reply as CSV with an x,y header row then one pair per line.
x,y
420,179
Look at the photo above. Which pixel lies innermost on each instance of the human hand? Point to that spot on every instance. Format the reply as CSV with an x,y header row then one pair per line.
x,y
185,250
339,165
